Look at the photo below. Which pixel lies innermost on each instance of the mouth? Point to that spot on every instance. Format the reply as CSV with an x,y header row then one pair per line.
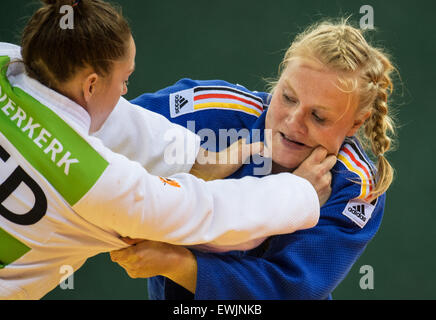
x,y
292,143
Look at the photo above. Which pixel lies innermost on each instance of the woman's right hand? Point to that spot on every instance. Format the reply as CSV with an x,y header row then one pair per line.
x,y
146,258
219,165
316,169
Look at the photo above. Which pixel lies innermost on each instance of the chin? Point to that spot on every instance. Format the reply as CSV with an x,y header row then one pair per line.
x,y
290,159
287,164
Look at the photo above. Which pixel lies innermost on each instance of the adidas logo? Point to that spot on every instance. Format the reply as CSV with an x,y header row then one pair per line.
x,y
179,102
358,211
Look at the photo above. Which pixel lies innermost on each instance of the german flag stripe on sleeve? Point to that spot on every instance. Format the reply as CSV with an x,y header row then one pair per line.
x,y
352,158
362,157
227,98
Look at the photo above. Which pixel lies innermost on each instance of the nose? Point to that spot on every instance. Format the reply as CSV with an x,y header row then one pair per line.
x,y
295,120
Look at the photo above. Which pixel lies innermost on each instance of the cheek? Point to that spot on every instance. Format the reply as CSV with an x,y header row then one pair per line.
x,y
114,92
275,115
329,139
108,99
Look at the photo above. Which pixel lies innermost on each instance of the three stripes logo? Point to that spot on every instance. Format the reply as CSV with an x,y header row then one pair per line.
x,y
213,98
358,211
179,102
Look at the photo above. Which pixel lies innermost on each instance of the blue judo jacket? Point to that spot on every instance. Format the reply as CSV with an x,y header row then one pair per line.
x,y
307,264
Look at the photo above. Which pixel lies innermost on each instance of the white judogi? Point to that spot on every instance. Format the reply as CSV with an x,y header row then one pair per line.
x,y
65,197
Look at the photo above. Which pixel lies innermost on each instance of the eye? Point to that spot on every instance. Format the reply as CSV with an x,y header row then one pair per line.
x,y
317,117
289,99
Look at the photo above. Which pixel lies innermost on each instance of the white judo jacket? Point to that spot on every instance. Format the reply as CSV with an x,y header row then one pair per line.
x,y
65,196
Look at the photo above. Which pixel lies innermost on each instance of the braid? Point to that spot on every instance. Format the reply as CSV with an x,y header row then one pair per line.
x,y
380,124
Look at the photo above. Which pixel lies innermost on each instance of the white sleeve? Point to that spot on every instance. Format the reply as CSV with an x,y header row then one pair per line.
x,y
149,138
186,211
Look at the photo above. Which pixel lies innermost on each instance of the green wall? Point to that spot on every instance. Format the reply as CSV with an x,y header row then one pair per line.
x,y
242,41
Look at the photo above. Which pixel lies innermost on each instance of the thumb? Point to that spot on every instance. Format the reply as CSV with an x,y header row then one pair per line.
x,y
318,155
249,149
266,152
241,151
131,241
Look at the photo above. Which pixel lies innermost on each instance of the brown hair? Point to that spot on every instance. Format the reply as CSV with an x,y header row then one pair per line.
x,y
343,48
53,55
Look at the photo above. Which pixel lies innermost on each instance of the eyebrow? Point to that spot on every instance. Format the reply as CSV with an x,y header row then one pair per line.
x,y
288,84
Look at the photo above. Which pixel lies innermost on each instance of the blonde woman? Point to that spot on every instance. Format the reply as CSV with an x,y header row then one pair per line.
x,y
332,91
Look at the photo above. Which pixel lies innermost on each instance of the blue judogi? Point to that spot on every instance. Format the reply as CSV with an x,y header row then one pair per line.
x,y
306,264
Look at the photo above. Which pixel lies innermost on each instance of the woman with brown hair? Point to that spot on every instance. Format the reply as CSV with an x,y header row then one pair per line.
x,y
65,197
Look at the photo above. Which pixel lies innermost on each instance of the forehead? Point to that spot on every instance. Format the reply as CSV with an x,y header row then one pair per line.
x,y
317,86
127,63
131,53
132,49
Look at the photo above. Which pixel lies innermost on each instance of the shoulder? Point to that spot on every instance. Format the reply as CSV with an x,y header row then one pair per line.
x,y
207,107
353,164
10,49
353,180
189,96
130,126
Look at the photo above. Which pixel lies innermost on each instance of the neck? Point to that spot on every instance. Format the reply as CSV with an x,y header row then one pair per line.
x,y
73,91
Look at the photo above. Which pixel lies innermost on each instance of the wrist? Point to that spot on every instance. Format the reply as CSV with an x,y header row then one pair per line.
x,y
183,270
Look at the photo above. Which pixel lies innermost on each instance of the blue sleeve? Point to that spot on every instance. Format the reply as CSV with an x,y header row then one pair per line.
x,y
206,107
307,264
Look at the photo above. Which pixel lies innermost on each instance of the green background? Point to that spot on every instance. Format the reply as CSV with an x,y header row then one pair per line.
x,y
242,41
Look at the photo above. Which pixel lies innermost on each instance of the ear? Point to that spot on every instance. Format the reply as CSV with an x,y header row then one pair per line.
x,y
89,86
358,123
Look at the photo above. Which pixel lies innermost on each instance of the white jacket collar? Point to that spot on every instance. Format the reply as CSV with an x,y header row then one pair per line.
x,y
69,110
64,107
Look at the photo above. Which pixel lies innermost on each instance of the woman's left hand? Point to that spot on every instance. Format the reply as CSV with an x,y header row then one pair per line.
x,y
152,258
